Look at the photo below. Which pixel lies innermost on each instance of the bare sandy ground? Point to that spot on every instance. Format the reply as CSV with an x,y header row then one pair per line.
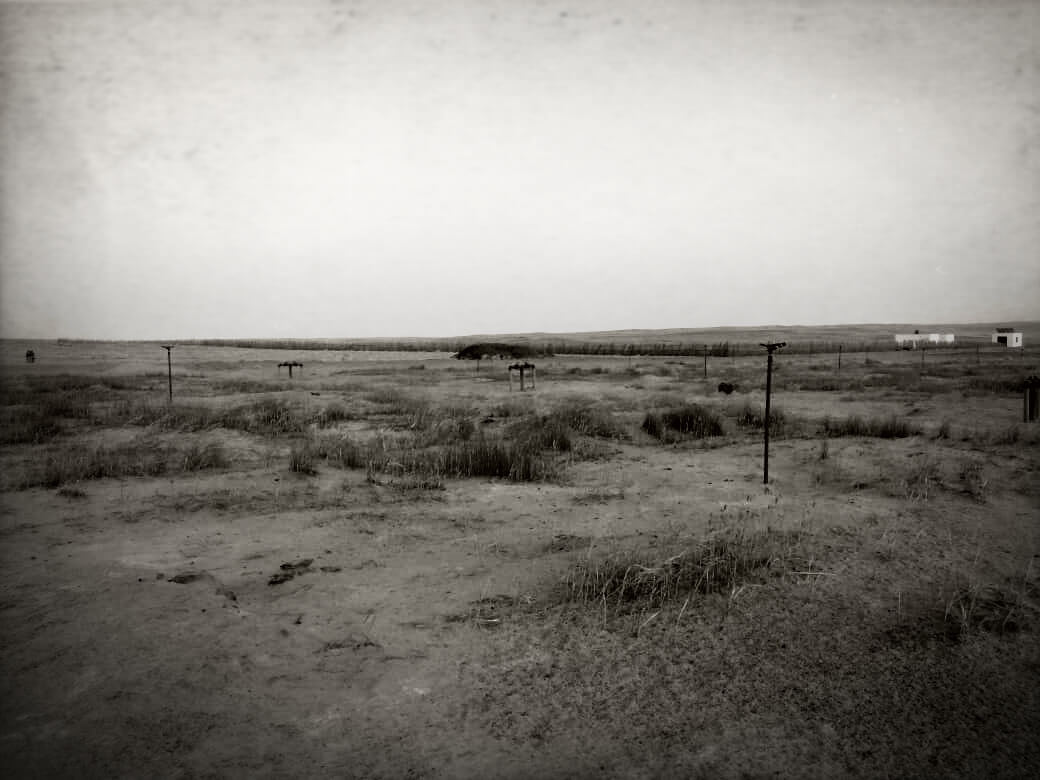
x,y
248,621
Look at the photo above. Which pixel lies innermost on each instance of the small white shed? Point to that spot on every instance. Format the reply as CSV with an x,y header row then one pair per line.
x,y
1008,337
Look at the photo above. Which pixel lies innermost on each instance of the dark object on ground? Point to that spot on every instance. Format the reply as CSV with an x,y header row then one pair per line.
x,y
185,578
726,387
495,349
30,356
290,570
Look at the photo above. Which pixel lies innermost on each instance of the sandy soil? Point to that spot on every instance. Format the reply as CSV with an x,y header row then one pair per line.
x,y
253,622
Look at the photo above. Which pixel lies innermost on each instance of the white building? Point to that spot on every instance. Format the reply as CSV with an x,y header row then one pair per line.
x,y
1009,337
915,340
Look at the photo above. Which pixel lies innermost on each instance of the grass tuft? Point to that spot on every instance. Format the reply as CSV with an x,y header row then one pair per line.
x,y
987,608
628,579
691,420
303,459
890,427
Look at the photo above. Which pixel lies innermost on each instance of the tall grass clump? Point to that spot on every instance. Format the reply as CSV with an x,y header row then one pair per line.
x,y
890,427
204,457
32,427
521,461
303,458
751,416
548,432
274,416
975,607
332,414
80,463
691,420
642,579
588,420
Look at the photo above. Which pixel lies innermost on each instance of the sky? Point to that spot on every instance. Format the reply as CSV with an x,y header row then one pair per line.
x,y
449,167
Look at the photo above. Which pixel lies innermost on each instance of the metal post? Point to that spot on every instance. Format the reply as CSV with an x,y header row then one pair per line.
x,y
839,358
169,367
771,348
769,389
705,361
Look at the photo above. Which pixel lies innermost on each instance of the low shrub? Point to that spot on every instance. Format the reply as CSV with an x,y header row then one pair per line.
x,y
200,458
691,420
32,427
883,428
303,458
751,416
642,579
987,608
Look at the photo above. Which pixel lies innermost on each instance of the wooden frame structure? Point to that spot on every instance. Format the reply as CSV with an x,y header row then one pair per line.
x,y
290,364
521,367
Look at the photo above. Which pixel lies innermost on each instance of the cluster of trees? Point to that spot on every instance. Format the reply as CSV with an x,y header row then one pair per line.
x,y
560,347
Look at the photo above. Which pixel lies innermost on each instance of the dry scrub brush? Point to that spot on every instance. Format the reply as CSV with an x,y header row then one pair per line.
x,y
692,420
631,580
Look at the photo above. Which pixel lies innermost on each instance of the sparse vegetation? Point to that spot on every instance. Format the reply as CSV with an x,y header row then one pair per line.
x,y
890,427
692,420
600,603
630,579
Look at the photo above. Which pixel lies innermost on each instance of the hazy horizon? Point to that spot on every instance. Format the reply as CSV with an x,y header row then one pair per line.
x,y
886,329
359,169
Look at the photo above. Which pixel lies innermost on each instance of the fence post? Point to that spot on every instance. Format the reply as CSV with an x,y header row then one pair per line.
x,y
771,348
169,368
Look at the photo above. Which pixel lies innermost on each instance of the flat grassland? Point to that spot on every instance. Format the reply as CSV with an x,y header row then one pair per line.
x,y
393,565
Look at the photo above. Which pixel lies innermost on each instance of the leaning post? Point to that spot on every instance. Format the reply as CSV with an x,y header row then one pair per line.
x,y
169,368
770,348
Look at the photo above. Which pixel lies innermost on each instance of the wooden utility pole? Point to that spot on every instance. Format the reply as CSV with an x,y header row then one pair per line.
x,y
169,367
771,348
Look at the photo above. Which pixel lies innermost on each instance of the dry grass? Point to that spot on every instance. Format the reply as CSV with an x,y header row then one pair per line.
x,y
642,579
890,427
692,420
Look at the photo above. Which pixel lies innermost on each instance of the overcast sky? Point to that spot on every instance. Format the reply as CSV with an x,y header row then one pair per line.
x,y
437,168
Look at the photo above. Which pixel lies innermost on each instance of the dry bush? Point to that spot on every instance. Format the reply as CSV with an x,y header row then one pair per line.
x,y
691,420
72,464
587,420
974,608
33,427
974,481
753,416
890,427
303,458
921,480
209,456
627,579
